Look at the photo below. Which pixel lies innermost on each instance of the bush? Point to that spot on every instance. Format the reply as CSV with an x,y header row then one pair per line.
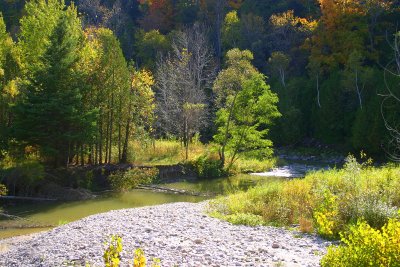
x,y
130,179
207,166
365,246
245,219
326,201
21,176
249,165
112,255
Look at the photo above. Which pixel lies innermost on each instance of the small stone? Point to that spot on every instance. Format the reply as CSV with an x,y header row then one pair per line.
x,y
198,241
275,245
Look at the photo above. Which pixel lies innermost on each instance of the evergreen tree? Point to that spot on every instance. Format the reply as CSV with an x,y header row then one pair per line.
x,y
51,116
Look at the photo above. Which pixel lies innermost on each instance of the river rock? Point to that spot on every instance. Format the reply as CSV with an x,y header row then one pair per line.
x,y
185,236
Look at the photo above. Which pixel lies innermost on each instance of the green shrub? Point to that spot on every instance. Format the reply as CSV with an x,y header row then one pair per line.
x,y
366,246
112,254
22,175
207,166
3,190
249,165
127,180
332,200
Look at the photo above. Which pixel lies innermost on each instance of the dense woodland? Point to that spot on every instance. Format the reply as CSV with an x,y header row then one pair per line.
x,y
79,80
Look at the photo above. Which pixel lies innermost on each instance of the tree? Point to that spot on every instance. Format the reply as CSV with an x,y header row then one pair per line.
x,y
183,79
50,116
149,45
391,102
356,75
8,84
231,30
141,107
214,13
246,108
279,63
158,15
111,91
42,16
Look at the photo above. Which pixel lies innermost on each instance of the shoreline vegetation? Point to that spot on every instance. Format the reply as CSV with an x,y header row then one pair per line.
x,y
145,102
358,204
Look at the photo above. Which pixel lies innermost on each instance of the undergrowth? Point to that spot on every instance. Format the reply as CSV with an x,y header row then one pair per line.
x,y
327,202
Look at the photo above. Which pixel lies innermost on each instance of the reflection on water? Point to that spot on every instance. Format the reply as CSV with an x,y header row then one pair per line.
x,y
221,186
52,214
45,215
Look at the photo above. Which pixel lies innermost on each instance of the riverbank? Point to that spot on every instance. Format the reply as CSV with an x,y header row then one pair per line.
x,y
179,234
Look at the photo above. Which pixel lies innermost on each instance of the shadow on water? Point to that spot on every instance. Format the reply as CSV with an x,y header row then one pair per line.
x,y
45,215
37,216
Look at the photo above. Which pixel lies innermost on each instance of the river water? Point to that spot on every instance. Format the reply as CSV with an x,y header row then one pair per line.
x,y
41,216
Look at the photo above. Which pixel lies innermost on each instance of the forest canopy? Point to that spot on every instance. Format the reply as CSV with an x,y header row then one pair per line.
x,y
79,80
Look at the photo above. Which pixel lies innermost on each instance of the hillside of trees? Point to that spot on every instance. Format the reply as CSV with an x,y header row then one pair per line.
x,y
79,80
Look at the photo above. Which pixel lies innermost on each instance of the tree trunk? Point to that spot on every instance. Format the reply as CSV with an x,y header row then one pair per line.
x,y
318,95
111,127
224,143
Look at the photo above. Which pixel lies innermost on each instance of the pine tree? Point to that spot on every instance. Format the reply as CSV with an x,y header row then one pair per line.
x,y
51,115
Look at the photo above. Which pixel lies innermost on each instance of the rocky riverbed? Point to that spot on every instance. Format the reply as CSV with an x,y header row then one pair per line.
x,y
179,234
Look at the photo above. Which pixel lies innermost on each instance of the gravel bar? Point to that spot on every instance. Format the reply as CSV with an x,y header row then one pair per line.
x,y
180,234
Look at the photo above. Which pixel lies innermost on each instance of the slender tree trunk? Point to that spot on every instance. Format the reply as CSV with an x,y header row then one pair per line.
x,y
119,141
107,133
318,95
82,155
90,156
186,132
100,143
69,153
358,91
111,127
77,154
124,156
224,143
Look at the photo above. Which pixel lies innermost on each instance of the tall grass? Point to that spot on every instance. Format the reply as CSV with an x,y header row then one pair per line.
x,y
327,202
170,152
164,152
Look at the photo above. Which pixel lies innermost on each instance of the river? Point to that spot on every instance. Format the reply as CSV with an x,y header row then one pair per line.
x,y
39,216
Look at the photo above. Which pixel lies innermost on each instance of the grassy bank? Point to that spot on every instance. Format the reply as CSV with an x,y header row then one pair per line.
x,y
171,152
325,201
335,204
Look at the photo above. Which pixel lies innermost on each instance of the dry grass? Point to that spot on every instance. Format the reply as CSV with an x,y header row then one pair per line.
x,y
164,152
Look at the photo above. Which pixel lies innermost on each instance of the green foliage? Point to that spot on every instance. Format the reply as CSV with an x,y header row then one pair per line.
x,y
326,215
248,107
55,89
112,254
139,259
248,164
21,175
37,26
130,179
3,190
366,246
332,199
207,166
149,45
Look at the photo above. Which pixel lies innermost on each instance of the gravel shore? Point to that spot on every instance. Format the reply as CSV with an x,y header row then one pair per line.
x,y
180,234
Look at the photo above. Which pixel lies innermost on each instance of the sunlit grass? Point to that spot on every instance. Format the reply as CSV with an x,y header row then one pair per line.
x,y
164,152
325,201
